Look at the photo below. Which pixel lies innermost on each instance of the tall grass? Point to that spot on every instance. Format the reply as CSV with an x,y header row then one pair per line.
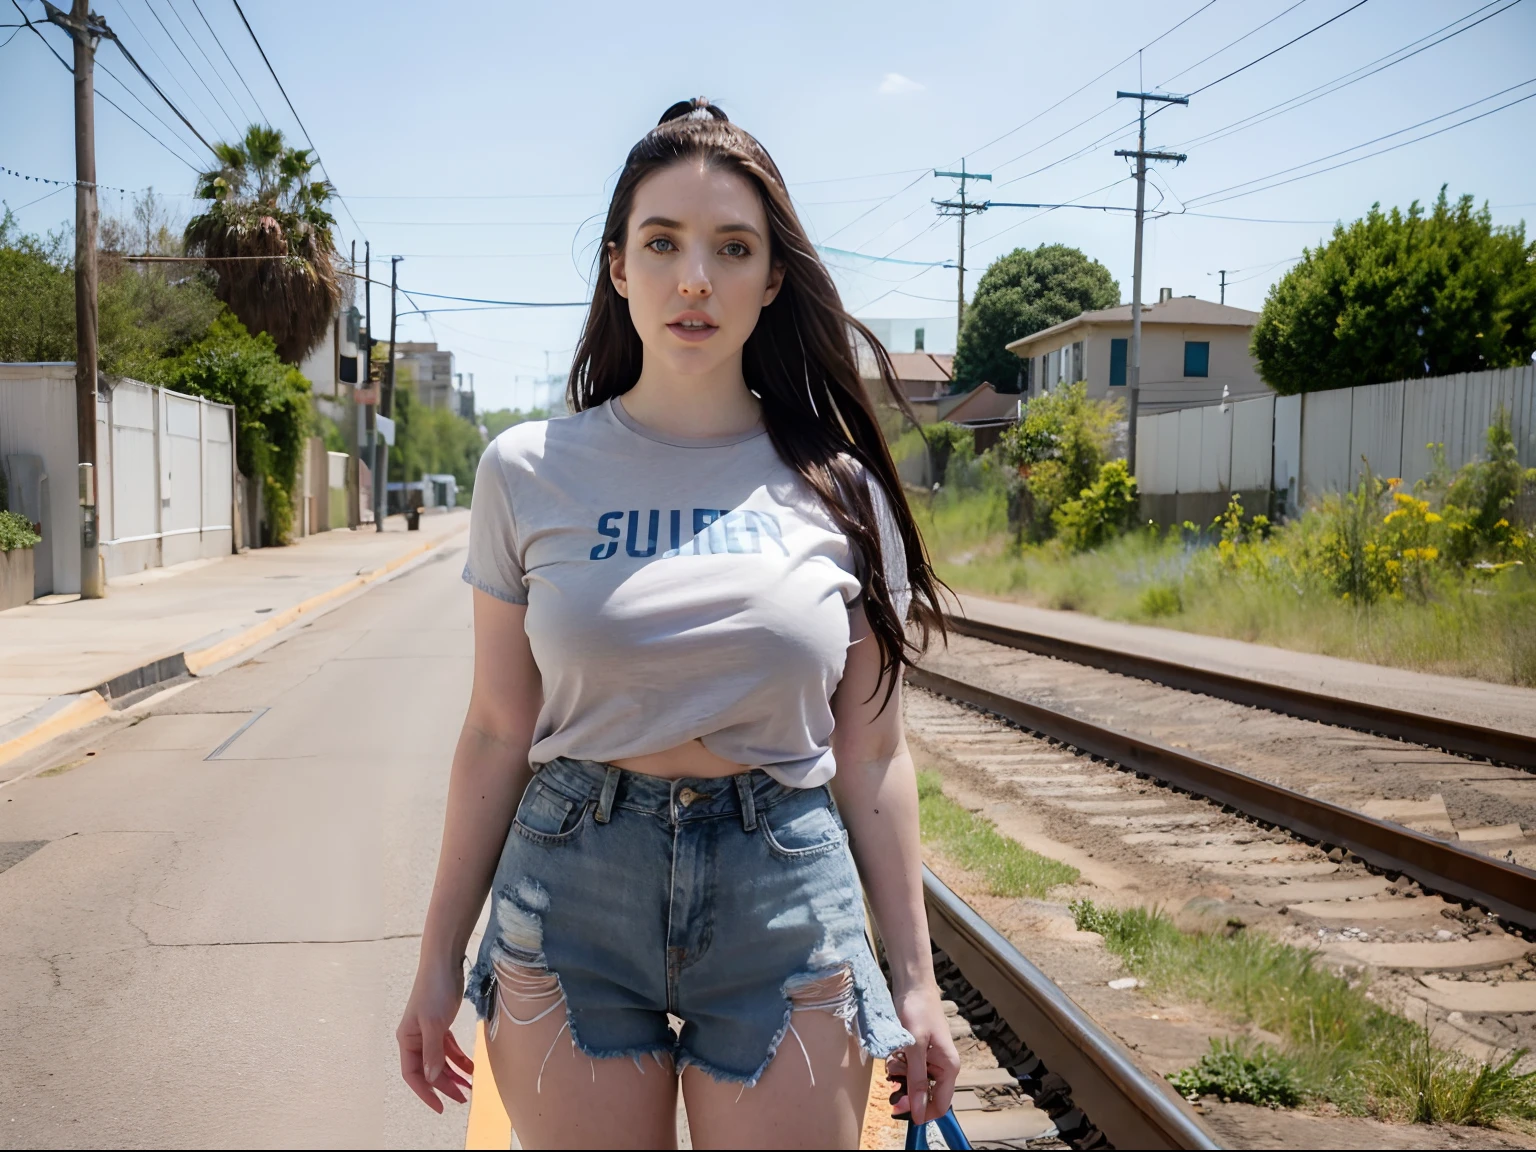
x,y
1339,1045
1482,625
975,844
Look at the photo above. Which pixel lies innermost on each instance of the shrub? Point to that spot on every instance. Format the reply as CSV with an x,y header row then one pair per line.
x,y
1242,1074
1060,447
1159,600
1103,510
16,532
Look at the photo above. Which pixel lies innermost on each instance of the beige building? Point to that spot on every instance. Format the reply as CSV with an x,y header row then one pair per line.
x,y
429,370
1193,352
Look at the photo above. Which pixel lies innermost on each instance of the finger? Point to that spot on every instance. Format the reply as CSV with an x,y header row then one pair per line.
x,y
410,1070
917,1081
449,1089
944,1071
432,1049
456,1054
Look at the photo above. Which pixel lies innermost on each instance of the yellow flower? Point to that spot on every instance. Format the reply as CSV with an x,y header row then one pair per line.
x,y
1432,517
1394,482
1502,523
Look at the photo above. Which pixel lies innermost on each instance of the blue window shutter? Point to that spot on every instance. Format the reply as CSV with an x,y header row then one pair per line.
x,y
1197,357
1117,353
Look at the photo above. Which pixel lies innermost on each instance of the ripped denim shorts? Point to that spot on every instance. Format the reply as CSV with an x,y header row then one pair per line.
x,y
731,903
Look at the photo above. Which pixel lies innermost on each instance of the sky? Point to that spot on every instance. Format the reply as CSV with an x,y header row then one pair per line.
x,y
480,142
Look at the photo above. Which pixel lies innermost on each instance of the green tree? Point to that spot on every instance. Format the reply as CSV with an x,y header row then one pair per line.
x,y
432,440
146,314
498,420
1020,294
1401,294
273,414
262,203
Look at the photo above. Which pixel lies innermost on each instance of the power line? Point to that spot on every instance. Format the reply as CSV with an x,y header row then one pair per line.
x,y
310,140
169,71
149,4
68,67
140,101
238,74
1218,196
1338,83
212,67
127,55
1233,44
1282,48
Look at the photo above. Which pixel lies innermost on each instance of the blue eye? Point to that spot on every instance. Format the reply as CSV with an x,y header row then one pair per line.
x,y
653,245
736,248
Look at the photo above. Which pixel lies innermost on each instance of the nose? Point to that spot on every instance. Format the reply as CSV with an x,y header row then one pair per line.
x,y
695,285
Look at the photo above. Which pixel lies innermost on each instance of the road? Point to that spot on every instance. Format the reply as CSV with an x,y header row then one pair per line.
x,y
213,949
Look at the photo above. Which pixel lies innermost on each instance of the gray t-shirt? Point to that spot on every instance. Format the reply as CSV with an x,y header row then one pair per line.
x,y
677,590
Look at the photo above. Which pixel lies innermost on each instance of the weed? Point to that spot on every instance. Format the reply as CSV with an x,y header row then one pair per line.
x,y
1159,600
1340,1046
1241,1073
975,844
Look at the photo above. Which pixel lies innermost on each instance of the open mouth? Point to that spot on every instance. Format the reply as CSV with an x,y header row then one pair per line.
x,y
693,329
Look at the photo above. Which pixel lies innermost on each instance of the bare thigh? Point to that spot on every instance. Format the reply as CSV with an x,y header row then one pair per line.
x,y
558,1097
808,1098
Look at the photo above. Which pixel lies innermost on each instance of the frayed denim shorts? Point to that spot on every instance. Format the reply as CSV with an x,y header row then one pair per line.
x,y
730,903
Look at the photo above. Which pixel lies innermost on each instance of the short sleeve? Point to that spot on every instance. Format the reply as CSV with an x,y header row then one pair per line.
x,y
494,565
893,549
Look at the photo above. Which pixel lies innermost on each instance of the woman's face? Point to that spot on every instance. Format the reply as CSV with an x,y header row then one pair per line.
x,y
695,266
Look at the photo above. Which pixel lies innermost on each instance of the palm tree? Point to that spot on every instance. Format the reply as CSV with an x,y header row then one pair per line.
x,y
262,203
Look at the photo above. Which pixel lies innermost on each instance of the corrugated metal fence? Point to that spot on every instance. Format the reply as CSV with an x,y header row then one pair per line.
x,y
1297,448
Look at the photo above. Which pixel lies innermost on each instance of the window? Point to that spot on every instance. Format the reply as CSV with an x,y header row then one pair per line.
x,y
917,340
1197,357
1077,362
1117,356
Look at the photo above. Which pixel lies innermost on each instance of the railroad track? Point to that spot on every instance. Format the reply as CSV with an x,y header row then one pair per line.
x,y
1439,867
1512,748
1071,1070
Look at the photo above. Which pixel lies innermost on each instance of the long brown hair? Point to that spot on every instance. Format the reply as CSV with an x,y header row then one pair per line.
x,y
800,361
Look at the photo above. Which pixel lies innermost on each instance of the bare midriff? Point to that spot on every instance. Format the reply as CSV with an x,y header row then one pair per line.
x,y
687,761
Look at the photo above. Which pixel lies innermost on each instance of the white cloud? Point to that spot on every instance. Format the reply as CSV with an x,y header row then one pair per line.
x,y
895,84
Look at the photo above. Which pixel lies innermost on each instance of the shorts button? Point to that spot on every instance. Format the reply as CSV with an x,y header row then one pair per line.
x,y
687,796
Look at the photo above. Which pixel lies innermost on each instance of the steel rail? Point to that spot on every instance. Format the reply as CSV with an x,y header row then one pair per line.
x,y
1513,748
1506,890
1122,1101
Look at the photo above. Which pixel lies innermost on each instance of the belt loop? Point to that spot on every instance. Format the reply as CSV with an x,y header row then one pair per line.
x,y
605,798
748,806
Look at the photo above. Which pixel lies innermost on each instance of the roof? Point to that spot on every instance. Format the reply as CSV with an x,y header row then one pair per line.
x,y
1184,310
935,366
983,402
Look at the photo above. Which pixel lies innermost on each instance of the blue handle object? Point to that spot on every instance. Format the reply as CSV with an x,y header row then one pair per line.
x,y
949,1132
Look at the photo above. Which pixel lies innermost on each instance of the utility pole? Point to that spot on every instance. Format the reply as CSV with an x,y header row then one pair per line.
x,y
86,29
961,208
370,432
386,409
1141,155
1223,285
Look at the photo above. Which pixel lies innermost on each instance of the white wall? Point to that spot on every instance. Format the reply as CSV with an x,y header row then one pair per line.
x,y
37,418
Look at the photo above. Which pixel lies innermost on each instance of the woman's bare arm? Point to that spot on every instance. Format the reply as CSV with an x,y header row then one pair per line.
x,y
876,791
490,772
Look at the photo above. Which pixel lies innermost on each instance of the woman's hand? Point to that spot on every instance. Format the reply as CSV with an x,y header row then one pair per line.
x,y
930,1065
425,1036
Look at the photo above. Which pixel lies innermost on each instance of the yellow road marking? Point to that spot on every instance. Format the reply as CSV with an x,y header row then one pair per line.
x,y
87,707
489,1124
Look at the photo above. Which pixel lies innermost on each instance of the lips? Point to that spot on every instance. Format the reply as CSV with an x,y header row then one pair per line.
x,y
693,327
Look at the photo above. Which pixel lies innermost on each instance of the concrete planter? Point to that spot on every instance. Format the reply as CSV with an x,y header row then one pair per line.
x,y
16,576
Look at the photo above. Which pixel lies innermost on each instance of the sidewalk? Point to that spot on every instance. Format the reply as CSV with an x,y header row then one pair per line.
x,y
1470,701
164,622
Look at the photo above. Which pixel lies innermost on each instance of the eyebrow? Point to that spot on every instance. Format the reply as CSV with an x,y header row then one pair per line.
x,y
666,222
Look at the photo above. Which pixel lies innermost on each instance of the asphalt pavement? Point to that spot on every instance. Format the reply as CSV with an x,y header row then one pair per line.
x,y
210,908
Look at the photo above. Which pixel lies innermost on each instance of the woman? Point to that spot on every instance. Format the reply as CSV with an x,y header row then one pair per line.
x,y
689,613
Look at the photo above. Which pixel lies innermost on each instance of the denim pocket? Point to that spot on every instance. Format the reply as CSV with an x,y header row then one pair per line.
x,y
802,826
546,817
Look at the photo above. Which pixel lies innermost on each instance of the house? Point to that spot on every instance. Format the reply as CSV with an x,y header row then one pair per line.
x,y
429,371
1193,352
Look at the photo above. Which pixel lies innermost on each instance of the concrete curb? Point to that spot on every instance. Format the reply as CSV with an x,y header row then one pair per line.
x,y
65,713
